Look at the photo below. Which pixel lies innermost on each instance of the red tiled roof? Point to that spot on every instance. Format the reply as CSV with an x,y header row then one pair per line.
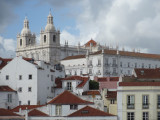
x,y
91,92
111,94
148,73
89,111
127,53
90,42
4,62
74,57
24,107
103,79
139,84
6,89
36,112
4,112
68,98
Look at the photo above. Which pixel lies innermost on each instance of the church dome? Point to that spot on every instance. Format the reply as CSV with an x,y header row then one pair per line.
x,y
49,27
25,31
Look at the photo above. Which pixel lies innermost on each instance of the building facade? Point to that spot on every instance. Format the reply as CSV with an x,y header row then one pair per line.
x,y
49,49
109,63
34,81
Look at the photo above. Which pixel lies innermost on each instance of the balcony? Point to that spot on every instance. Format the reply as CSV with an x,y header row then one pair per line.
x,y
114,65
98,65
130,106
158,105
145,106
90,65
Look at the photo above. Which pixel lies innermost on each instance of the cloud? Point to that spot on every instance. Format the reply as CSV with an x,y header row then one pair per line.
x,y
7,47
127,23
7,12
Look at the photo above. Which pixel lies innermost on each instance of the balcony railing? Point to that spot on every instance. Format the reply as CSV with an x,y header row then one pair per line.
x,y
130,106
145,105
158,105
114,65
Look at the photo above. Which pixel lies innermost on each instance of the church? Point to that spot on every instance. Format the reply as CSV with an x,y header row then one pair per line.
x,y
49,49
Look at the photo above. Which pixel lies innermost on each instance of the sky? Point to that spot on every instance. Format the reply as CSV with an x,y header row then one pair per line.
x,y
128,24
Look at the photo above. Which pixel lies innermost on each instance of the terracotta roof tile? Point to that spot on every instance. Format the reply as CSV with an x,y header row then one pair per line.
x,y
111,94
68,98
36,112
5,112
91,92
90,42
6,89
24,107
103,79
89,111
139,84
148,73
74,57
58,82
4,62
127,53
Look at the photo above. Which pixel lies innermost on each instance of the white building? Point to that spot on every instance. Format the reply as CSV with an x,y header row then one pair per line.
x,y
49,49
109,63
8,97
65,106
75,84
34,81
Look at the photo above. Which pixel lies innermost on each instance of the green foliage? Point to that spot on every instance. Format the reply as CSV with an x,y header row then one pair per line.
x,y
93,85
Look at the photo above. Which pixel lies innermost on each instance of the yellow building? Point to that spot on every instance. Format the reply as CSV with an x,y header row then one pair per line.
x,y
139,96
110,100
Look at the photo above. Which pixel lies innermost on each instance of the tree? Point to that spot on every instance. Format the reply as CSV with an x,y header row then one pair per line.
x,y
93,85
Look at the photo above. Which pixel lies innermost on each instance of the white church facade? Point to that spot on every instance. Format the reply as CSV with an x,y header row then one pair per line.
x,y
49,49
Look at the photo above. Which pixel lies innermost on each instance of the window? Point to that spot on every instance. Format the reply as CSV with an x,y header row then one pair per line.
x,y
54,38
158,101
158,115
75,72
106,61
58,110
145,102
130,116
52,89
145,116
48,75
155,66
7,77
20,42
129,72
20,89
20,77
30,77
90,71
73,107
90,63
142,65
20,102
128,64
81,72
51,77
135,65
111,101
99,61
9,98
114,71
69,86
120,64
29,102
44,38
114,62
149,66
29,89
130,101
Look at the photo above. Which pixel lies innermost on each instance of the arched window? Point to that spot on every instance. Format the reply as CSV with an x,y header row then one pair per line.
x,y
54,38
20,42
44,38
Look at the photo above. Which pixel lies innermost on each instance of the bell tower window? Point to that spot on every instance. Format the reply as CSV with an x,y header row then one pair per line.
x,y
44,38
20,42
54,38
